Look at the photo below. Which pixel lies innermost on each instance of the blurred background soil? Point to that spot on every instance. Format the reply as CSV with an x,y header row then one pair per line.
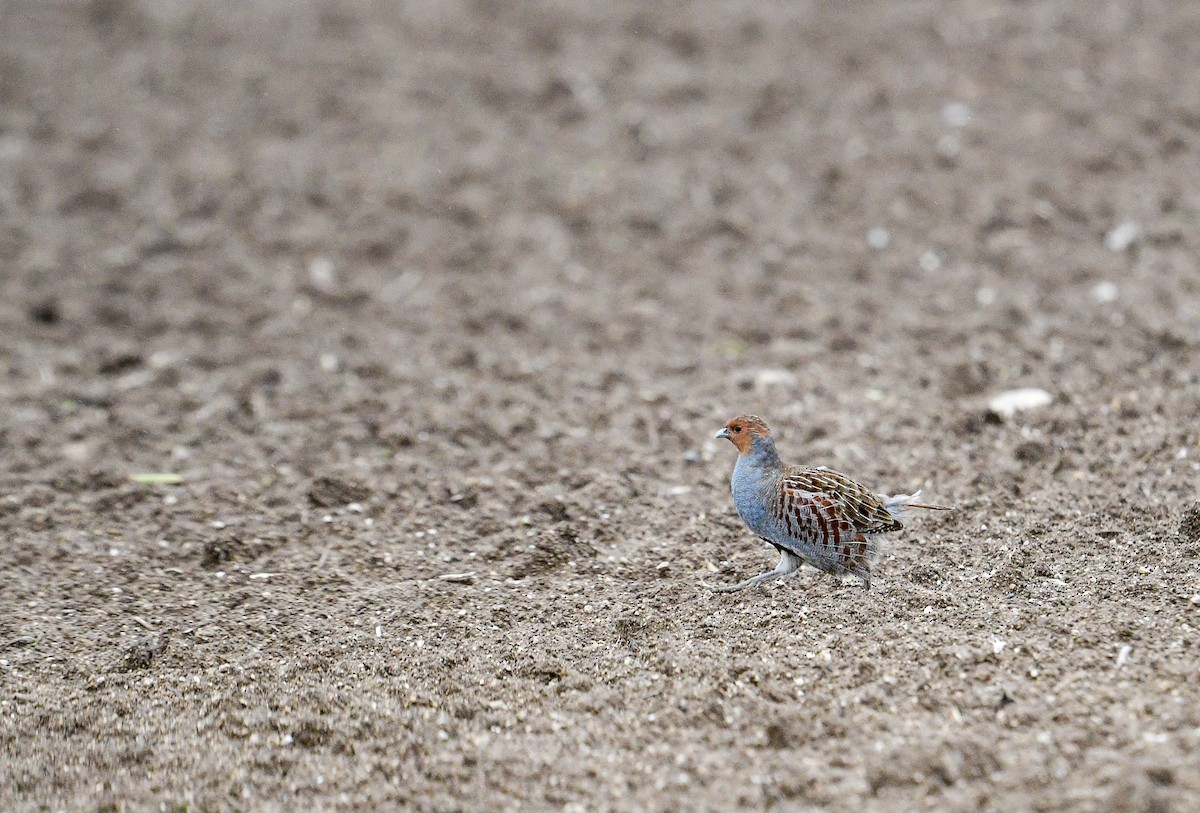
x,y
435,306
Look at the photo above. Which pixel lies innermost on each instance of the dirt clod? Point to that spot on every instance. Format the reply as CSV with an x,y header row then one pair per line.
x,y
142,653
1189,523
336,492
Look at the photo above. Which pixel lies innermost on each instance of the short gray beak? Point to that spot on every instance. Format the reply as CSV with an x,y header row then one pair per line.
x,y
724,433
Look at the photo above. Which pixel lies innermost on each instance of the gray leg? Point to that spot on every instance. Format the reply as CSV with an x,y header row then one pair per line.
x,y
788,563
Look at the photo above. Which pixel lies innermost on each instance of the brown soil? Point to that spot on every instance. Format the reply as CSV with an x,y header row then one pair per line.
x,y
413,290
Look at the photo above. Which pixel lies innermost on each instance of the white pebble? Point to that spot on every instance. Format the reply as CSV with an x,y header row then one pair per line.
x,y
773,377
1123,655
320,273
985,296
930,262
879,238
1007,404
78,451
161,358
956,114
1122,237
1105,292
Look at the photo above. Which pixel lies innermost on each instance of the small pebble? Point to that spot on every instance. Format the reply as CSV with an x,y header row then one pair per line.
x,y
774,377
1105,292
879,238
320,273
956,114
1122,237
1007,404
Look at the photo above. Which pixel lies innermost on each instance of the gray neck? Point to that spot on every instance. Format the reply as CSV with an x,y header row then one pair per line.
x,y
762,454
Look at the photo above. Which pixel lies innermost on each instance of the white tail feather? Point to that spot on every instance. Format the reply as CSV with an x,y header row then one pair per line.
x,y
899,504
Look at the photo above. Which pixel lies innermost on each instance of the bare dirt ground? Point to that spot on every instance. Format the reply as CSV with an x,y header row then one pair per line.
x,y
408,290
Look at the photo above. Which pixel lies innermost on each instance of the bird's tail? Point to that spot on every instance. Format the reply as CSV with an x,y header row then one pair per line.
x,y
900,503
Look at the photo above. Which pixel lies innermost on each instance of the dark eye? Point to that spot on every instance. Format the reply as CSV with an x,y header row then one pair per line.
x,y
737,429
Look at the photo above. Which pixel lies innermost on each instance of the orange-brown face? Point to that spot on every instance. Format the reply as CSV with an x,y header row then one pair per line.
x,y
742,430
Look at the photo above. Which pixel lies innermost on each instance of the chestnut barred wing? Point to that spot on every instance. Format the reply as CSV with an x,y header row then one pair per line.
x,y
833,518
854,502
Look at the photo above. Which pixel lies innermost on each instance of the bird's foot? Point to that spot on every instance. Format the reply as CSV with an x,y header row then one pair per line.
x,y
751,582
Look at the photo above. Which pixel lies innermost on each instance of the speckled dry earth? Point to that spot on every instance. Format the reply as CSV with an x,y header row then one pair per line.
x,y
407,291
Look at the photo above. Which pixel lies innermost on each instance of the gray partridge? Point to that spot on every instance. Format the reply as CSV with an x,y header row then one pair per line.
x,y
812,516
